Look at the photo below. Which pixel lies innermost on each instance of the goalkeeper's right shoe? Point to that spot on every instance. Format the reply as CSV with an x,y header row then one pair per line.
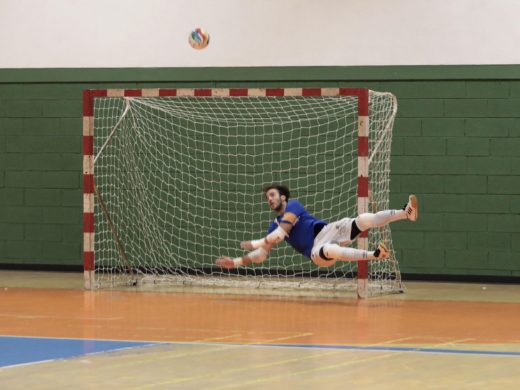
x,y
412,208
382,251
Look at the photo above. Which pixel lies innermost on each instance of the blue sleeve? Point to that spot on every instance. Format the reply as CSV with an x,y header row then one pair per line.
x,y
295,207
272,227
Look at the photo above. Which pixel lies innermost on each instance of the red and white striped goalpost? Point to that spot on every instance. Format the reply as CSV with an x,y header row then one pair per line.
x,y
362,95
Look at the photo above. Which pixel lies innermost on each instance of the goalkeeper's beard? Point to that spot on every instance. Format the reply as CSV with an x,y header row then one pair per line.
x,y
278,208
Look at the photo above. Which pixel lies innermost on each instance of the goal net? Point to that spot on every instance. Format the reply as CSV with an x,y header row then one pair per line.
x,y
173,181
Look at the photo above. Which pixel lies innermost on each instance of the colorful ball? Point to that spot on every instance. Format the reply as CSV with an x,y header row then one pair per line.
x,y
199,39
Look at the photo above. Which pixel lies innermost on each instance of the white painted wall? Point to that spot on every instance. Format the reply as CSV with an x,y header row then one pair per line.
x,y
153,33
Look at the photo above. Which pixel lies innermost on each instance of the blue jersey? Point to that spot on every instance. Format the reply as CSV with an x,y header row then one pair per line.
x,y
301,236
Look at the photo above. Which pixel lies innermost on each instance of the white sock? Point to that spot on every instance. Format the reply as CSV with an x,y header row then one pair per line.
x,y
381,218
336,252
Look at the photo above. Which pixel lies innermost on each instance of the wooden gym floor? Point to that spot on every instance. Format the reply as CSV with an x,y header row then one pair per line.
x,y
54,335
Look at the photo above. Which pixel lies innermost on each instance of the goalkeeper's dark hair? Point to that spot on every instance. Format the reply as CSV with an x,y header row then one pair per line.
x,y
283,190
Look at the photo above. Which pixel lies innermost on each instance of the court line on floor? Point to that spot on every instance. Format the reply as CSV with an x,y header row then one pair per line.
x,y
22,351
264,380
393,349
382,347
323,350
320,354
368,347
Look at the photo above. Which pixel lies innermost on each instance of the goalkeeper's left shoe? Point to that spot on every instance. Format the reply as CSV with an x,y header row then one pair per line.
x,y
412,208
381,252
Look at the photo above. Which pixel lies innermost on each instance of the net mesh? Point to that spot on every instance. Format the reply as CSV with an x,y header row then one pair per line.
x,y
179,184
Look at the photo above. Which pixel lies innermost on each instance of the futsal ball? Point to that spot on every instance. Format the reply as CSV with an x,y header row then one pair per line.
x,y
199,39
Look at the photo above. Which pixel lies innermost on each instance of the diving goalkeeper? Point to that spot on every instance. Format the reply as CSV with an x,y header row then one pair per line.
x,y
324,243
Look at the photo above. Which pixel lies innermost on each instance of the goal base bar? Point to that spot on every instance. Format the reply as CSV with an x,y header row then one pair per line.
x,y
258,285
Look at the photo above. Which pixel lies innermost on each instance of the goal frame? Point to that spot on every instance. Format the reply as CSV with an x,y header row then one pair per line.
x,y
89,95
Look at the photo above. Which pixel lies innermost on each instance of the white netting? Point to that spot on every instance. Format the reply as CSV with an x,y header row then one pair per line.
x,y
181,180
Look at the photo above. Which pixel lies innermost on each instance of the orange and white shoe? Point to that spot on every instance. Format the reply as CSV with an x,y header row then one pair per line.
x,y
382,252
412,208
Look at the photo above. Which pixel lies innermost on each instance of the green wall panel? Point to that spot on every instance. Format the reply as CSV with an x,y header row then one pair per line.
x,y
443,127
456,145
11,232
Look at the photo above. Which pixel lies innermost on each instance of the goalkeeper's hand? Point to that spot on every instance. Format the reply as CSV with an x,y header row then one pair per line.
x,y
225,262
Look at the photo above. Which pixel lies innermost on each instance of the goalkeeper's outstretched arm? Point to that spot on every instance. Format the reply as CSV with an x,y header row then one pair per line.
x,y
260,248
256,256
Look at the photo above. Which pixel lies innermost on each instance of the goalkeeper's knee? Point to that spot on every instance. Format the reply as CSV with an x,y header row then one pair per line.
x,y
365,221
319,257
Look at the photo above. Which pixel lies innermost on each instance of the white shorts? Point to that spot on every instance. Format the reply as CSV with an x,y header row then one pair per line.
x,y
334,233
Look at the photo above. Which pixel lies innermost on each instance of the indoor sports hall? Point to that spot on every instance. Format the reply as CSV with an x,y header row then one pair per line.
x,y
259,195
